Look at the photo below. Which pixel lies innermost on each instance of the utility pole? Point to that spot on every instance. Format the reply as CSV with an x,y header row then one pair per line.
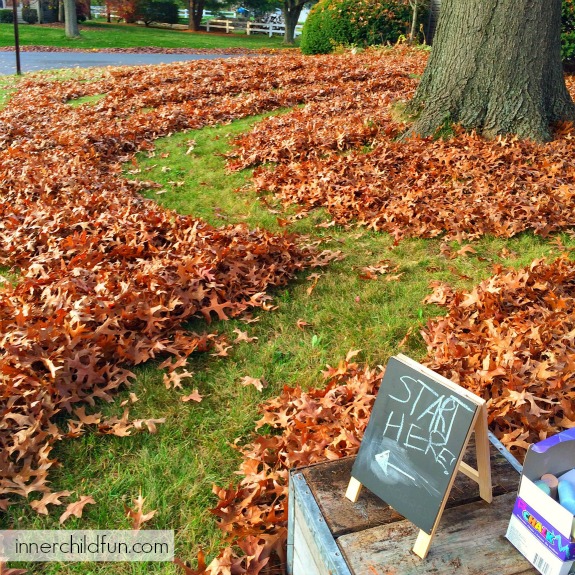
x,y
16,37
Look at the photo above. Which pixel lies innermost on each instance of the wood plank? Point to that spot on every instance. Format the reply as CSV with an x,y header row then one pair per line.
x,y
312,541
469,471
470,540
329,481
305,558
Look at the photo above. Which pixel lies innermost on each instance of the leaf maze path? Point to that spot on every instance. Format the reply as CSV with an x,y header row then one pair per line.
x,y
108,277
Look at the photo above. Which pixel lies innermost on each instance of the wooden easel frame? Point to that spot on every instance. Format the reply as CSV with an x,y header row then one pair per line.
x,y
481,475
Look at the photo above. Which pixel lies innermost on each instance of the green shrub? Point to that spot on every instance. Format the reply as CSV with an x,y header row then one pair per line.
x,y
30,15
361,23
568,30
568,46
165,11
319,34
6,16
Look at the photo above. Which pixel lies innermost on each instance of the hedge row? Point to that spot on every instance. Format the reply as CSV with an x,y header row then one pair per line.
x,y
568,32
353,22
368,22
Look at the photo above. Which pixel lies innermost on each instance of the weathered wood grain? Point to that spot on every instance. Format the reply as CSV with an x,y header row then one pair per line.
x,y
470,541
311,547
328,483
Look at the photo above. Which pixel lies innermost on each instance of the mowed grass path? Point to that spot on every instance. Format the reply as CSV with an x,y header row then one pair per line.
x,y
175,468
103,35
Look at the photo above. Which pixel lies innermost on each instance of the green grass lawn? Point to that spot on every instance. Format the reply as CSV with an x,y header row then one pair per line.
x,y
176,468
103,35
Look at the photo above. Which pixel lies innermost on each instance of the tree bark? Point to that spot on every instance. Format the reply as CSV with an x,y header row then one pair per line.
x,y
495,67
195,13
71,19
413,31
291,11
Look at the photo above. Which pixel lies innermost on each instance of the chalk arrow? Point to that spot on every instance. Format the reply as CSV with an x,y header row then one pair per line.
x,y
383,461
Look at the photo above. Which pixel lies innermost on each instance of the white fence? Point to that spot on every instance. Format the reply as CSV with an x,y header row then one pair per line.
x,y
208,14
100,12
272,25
269,28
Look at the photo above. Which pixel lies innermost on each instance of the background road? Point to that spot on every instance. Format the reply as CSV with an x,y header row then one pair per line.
x,y
34,61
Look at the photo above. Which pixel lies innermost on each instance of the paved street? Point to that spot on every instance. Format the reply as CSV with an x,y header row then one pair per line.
x,y
34,61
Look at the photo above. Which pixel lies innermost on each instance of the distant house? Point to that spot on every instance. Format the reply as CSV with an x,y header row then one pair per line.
x,y
49,12
9,4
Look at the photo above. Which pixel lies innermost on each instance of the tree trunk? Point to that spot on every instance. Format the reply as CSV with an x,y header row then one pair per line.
x,y
195,13
61,11
414,7
495,67
71,19
291,11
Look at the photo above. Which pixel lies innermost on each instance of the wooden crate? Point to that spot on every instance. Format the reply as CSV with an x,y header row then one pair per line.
x,y
329,535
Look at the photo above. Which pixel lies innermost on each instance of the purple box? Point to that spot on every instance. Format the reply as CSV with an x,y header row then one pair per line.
x,y
540,527
560,544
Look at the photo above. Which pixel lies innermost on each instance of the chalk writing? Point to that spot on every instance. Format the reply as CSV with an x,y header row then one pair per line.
x,y
383,461
418,429
431,415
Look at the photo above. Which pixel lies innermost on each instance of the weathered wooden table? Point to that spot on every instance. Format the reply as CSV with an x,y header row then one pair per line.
x,y
329,535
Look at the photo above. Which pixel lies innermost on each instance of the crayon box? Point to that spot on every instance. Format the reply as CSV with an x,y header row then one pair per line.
x,y
540,527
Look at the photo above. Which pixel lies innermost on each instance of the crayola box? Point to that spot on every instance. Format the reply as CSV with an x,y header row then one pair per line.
x,y
540,527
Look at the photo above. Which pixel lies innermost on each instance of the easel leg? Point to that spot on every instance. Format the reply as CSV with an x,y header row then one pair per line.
x,y
422,544
483,456
481,475
353,489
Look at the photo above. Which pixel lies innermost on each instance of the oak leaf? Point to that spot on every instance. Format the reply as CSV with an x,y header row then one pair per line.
x,y
76,508
194,396
302,324
259,384
51,498
136,513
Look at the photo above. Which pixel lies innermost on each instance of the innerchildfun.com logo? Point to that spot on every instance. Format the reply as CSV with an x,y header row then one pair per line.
x,y
86,545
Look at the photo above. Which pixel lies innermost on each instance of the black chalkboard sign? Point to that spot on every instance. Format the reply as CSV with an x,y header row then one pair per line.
x,y
413,444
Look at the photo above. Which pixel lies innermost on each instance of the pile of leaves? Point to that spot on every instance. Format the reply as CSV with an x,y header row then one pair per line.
x,y
511,340
325,423
460,187
107,278
419,188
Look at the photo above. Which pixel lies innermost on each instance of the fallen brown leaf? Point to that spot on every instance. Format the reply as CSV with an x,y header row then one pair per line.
x,y
76,508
